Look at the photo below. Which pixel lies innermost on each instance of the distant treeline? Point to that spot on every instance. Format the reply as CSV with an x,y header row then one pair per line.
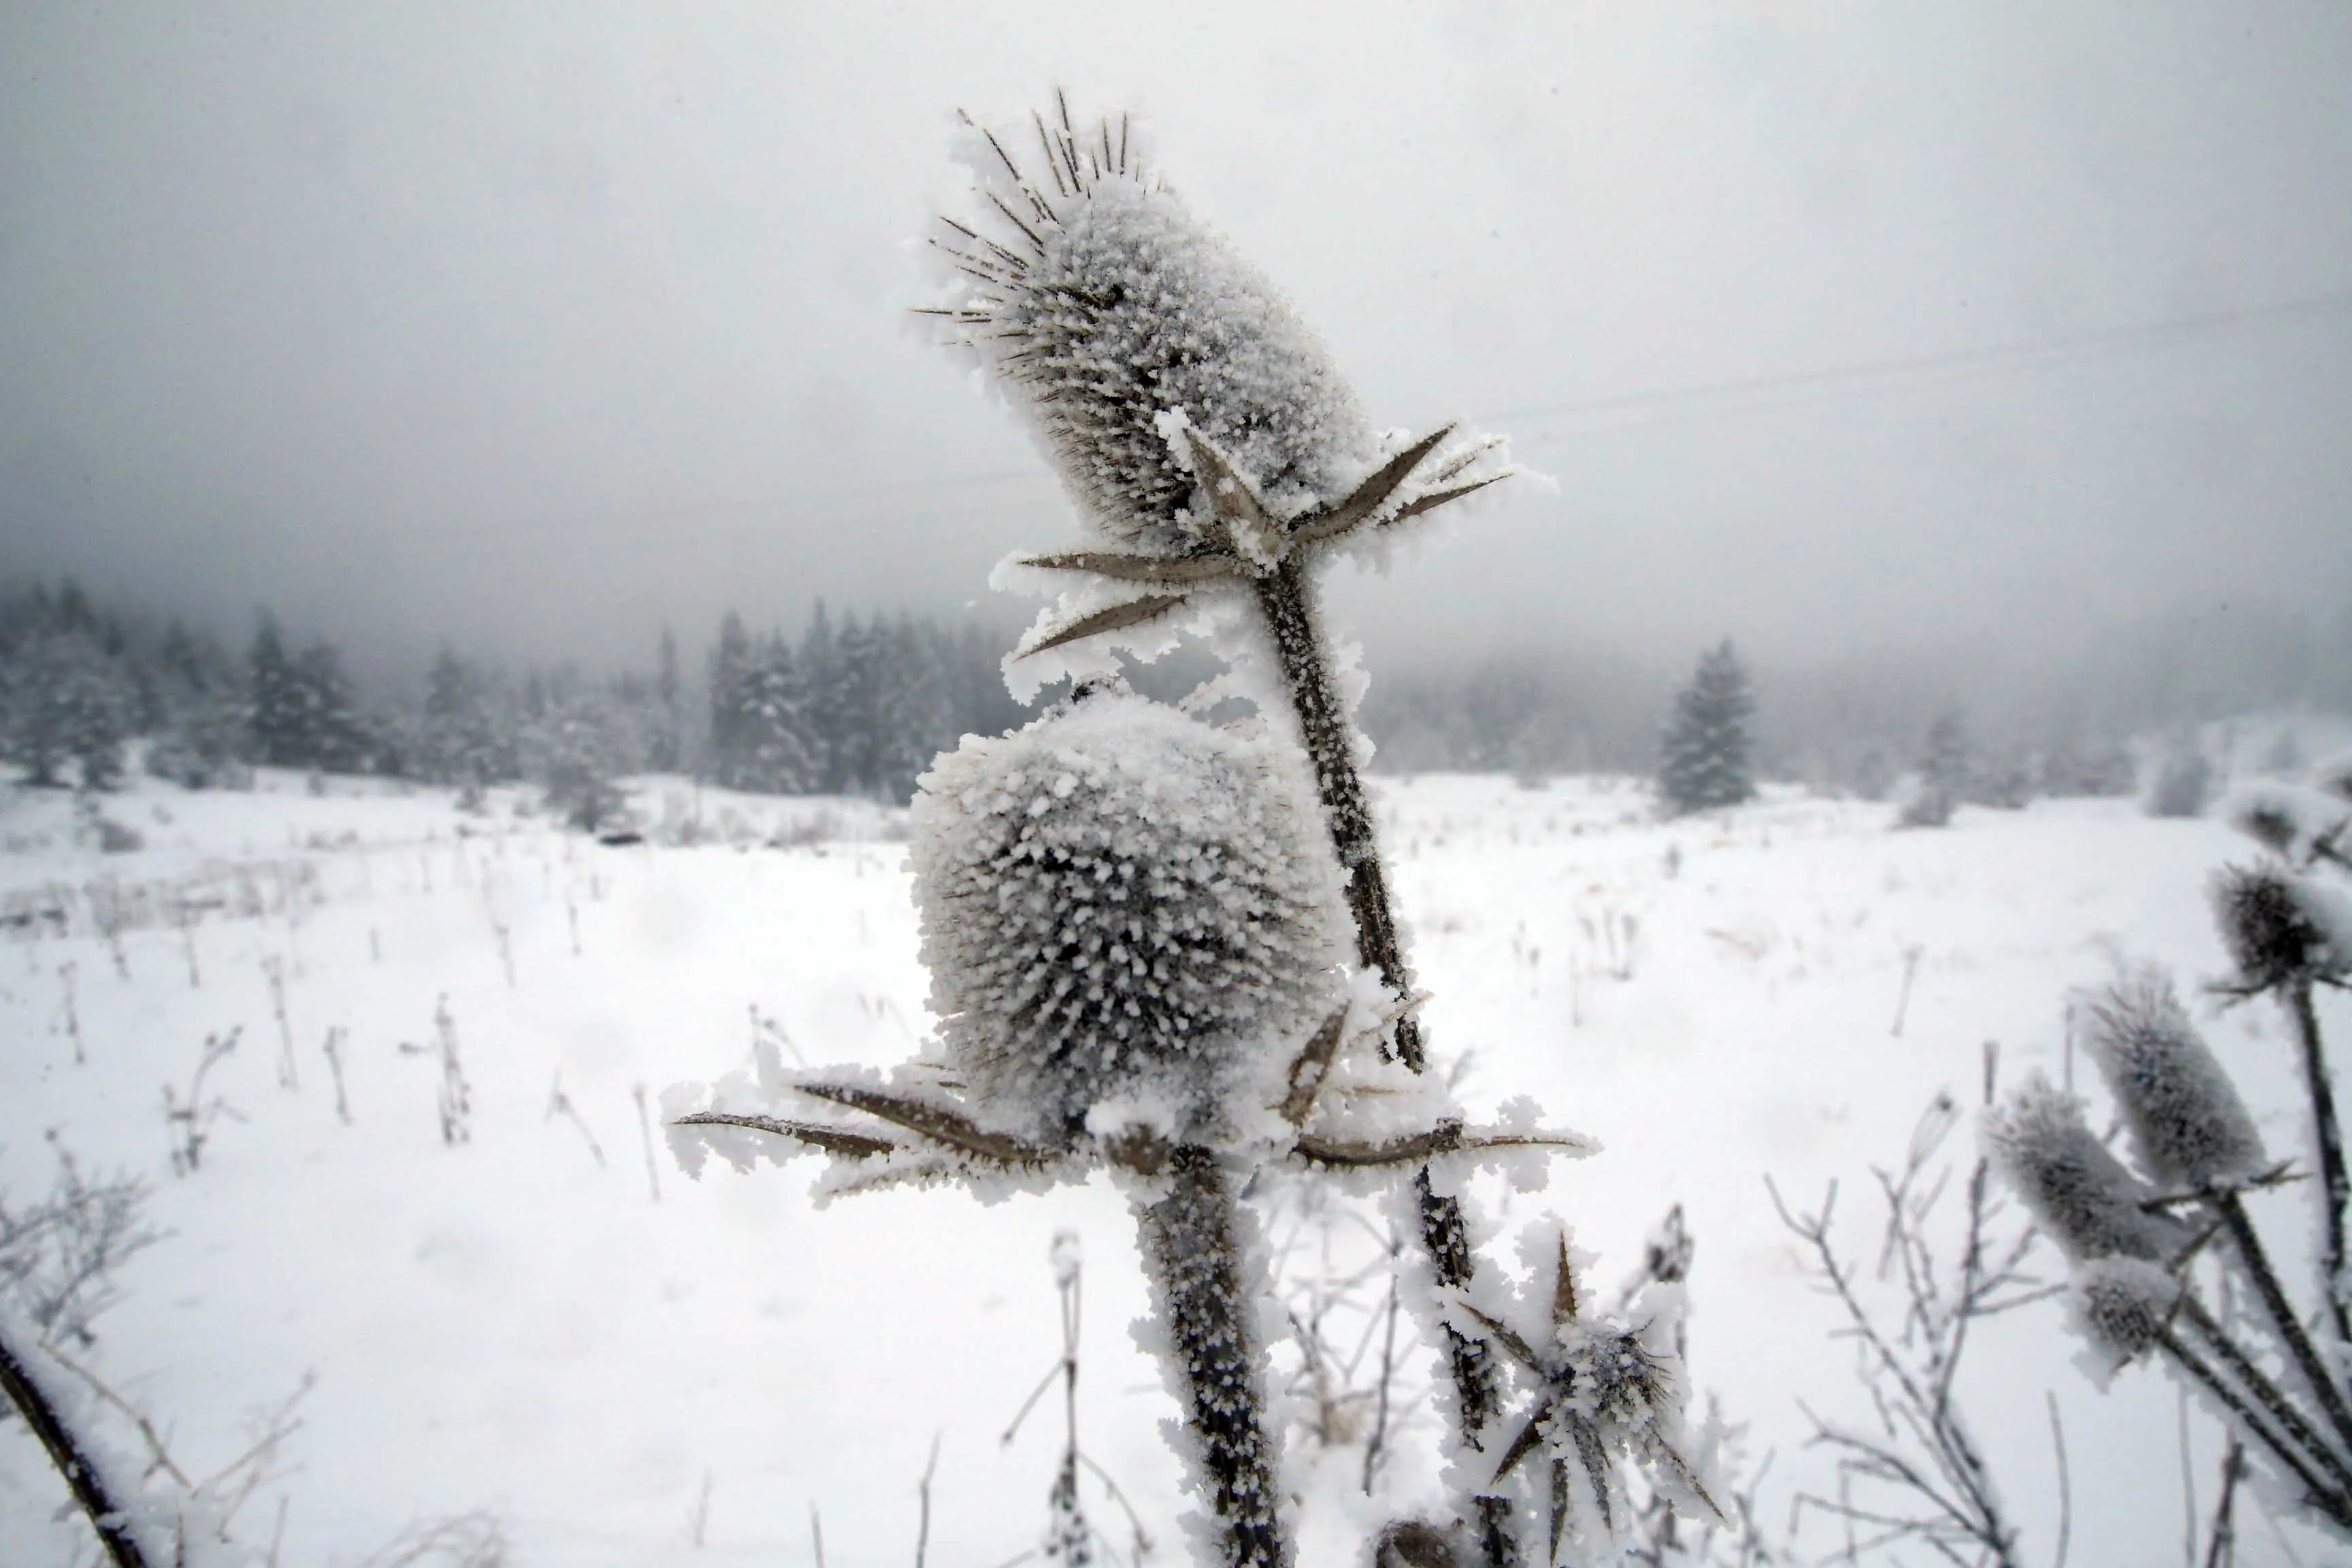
x,y
2052,720
859,706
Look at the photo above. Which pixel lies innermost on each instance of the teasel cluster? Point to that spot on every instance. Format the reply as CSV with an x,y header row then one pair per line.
x,y
1168,949
1134,930
2150,1240
1216,458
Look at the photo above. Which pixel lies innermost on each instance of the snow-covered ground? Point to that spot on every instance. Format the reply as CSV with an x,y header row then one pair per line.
x,y
517,1322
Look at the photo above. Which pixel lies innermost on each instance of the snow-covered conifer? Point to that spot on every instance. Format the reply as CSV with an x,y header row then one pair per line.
x,y
2082,1195
1104,306
1704,761
67,701
2187,1124
1121,903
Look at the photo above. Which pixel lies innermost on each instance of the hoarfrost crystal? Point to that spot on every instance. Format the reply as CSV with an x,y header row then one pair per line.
x,y
2187,1121
2083,1195
1102,306
1119,904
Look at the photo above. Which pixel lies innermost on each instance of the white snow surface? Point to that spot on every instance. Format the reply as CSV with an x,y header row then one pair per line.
x,y
513,1322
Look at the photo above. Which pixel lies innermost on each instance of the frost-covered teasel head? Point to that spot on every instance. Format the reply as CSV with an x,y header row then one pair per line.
x,y
1101,306
2124,1306
2278,929
1120,903
2079,1192
2187,1122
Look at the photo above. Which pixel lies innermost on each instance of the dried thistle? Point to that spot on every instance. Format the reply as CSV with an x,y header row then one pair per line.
x,y
2265,916
1121,903
1104,306
2082,1195
2187,1122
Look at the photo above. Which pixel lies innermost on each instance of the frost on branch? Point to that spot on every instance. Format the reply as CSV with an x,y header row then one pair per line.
x,y
2082,1195
1121,904
2187,1124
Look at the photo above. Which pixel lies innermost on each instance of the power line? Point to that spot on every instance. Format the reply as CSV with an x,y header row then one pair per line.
x,y
2030,353
1717,397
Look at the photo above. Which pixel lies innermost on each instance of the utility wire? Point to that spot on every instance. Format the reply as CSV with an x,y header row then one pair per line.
x,y
1711,400
1934,369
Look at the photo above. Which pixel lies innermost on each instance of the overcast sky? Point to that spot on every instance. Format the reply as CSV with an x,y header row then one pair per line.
x,y
536,326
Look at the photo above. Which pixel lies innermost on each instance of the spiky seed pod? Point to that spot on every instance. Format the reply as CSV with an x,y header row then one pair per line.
x,y
2187,1122
2079,1192
1103,307
2125,1305
2267,927
1120,902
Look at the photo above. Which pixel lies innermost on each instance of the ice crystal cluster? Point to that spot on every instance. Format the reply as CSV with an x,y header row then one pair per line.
x,y
1107,312
2187,1124
1121,903
2082,1195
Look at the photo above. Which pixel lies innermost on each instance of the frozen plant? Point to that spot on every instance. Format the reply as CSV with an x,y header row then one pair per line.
x,y
1134,931
1920,1476
58,1255
1138,924
2160,1247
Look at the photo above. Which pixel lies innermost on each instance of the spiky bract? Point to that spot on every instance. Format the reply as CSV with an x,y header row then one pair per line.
x,y
1103,307
2187,1121
2082,1195
1121,901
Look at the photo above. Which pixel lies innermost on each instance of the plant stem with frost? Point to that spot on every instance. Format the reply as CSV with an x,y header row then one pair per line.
x,y
1191,1245
2330,1136
64,1451
1286,597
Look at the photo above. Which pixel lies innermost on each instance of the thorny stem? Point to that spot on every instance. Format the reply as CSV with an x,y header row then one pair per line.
x,y
106,1515
1286,600
2222,1549
2330,1138
2233,1211
1190,1253
2334,1504
2262,1391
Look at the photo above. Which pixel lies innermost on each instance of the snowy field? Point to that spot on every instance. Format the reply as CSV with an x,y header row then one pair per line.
x,y
518,1322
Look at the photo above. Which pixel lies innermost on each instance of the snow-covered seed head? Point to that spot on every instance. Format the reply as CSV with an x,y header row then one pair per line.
x,y
1102,307
2079,1192
2267,928
2125,1305
1121,903
2187,1124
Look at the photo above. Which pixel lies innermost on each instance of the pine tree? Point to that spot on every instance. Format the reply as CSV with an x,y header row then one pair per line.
x,y
771,753
281,731
67,701
666,747
1704,760
337,738
462,742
